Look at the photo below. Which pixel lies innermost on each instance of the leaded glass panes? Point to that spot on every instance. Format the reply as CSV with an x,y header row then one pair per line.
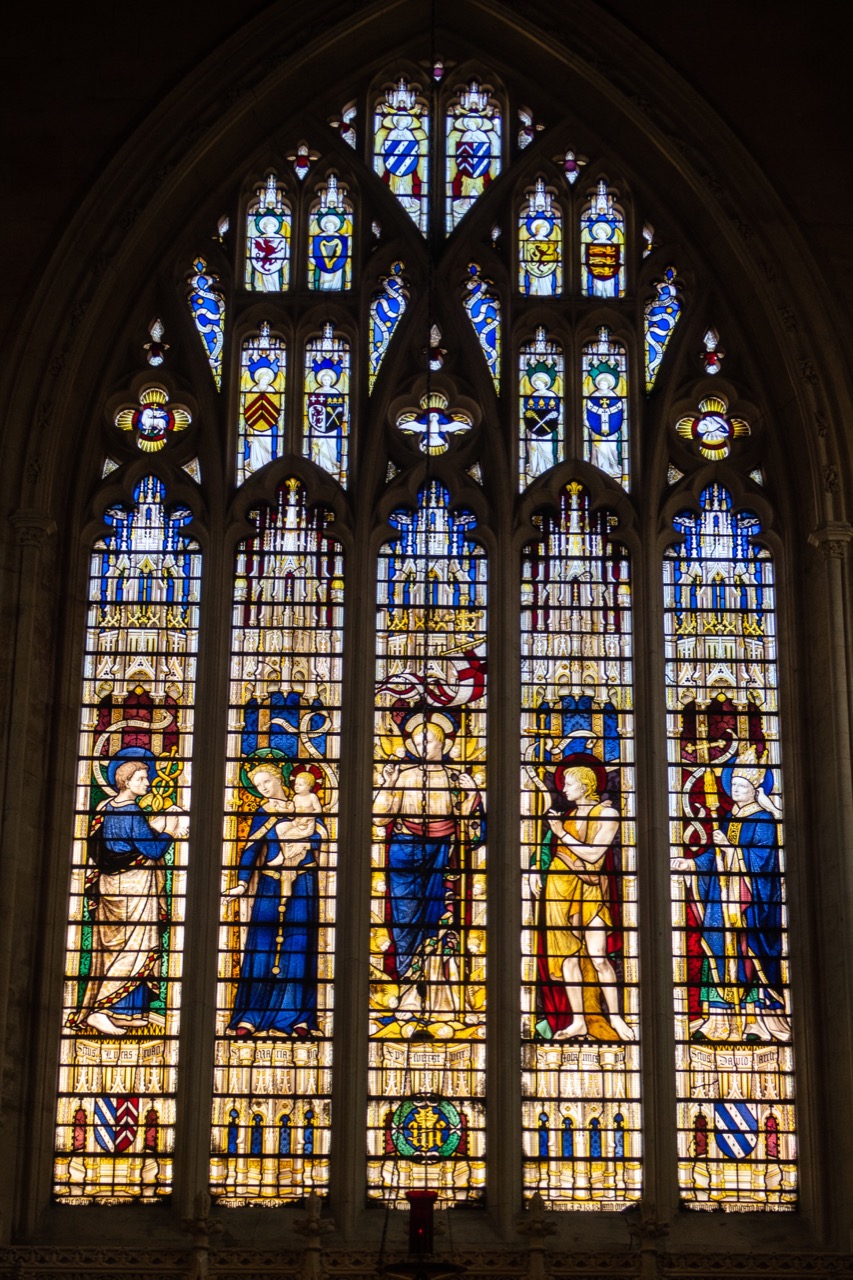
x,y
207,304
268,233
734,1064
327,403
153,419
473,141
540,244
434,423
484,311
540,385
580,999
330,238
661,315
605,406
272,1080
401,147
602,246
119,1051
426,1082
386,311
260,425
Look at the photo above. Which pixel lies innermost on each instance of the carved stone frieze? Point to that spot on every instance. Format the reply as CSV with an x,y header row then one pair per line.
x,y
80,1263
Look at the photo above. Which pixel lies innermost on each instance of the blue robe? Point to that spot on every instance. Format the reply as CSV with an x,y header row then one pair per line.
x,y
128,914
759,942
417,900
282,1001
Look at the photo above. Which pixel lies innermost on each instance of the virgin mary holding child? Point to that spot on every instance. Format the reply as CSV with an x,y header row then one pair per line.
x,y
278,875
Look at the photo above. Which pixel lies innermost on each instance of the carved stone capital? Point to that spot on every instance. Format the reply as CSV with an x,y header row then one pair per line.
x,y
832,538
31,526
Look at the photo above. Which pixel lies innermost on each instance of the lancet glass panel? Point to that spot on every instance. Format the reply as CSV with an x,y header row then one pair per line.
x,y
580,1021
268,236
326,419
473,149
605,407
540,244
426,1084
387,306
207,304
401,147
272,1079
734,1063
330,230
540,387
260,427
119,1051
660,316
602,246
484,311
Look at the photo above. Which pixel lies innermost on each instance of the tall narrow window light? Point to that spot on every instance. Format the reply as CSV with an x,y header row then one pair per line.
x,y
602,246
330,238
401,147
605,406
540,243
580,1024
484,311
473,157
540,386
268,234
426,1124
272,1080
327,403
660,316
207,304
387,307
119,1056
734,1065
260,427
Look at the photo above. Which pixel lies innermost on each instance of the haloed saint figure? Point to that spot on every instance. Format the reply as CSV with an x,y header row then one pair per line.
x,y
278,878
126,894
579,988
430,815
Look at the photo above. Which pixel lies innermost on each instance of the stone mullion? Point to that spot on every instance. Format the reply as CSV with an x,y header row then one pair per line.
x,y
349,1071
657,1022
201,936
26,869
503,1018
826,852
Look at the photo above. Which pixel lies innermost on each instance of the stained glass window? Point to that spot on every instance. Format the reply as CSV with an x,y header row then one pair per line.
x,y
330,239
426,1122
540,243
734,1064
207,303
540,385
272,1080
661,315
484,311
386,311
602,246
327,414
576,996
115,1120
605,406
268,233
473,157
401,147
434,424
580,1023
260,426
